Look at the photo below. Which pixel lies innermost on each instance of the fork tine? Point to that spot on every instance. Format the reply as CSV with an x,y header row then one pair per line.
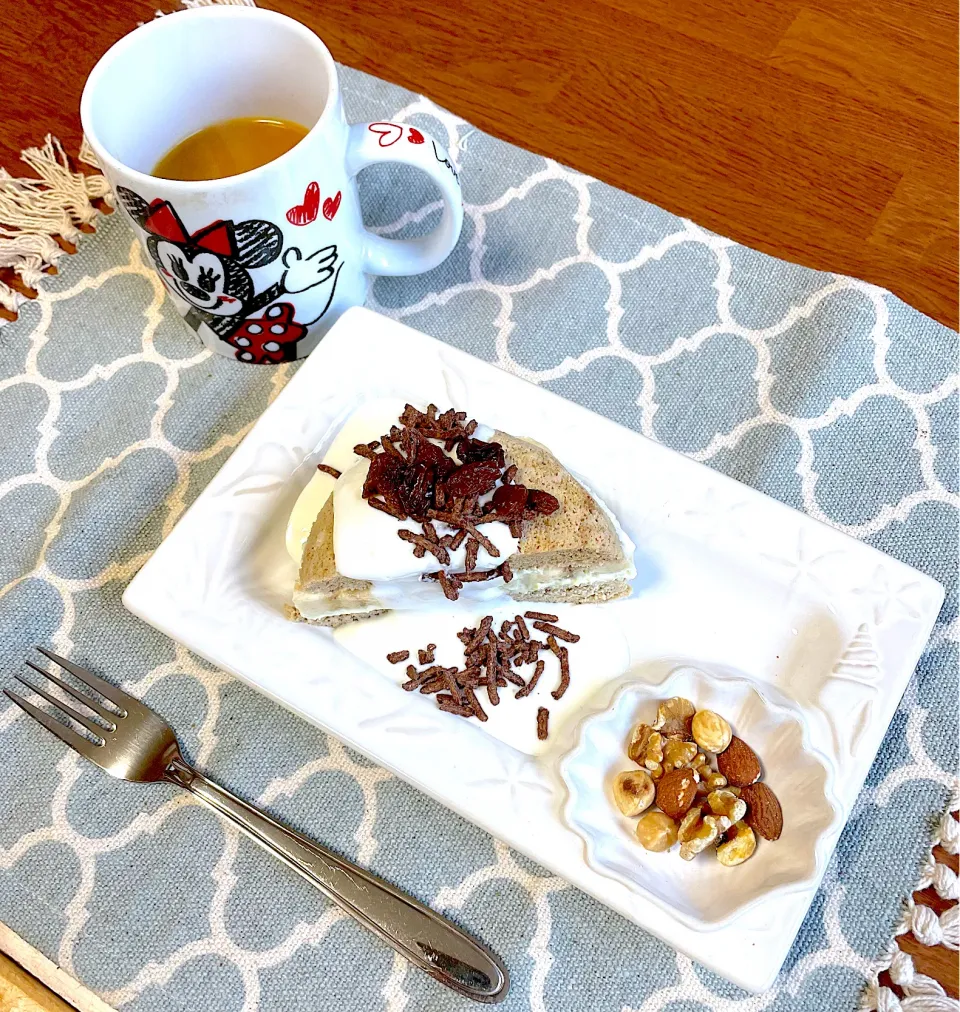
x,y
108,715
91,725
116,695
76,741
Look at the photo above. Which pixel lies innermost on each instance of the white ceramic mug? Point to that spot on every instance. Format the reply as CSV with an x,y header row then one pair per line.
x,y
262,263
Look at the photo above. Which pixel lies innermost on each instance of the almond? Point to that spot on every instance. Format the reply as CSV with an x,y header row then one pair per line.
x,y
676,792
764,814
739,763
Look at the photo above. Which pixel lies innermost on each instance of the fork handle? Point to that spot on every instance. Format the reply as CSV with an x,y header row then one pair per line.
x,y
418,933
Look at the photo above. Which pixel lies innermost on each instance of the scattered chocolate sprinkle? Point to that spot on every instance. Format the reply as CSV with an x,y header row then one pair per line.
x,y
472,550
561,634
492,673
543,718
506,571
540,616
489,659
532,684
458,539
512,676
474,703
450,589
384,508
425,656
433,547
509,474
362,450
449,705
564,674
327,469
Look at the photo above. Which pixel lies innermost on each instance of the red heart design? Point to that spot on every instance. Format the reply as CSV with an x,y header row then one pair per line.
x,y
389,133
303,214
415,137
331,205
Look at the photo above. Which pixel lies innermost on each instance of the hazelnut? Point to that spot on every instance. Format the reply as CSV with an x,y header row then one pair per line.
x,y
634,791
710,731
656,832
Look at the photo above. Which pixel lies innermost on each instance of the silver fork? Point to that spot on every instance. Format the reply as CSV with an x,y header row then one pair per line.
x,y
134,743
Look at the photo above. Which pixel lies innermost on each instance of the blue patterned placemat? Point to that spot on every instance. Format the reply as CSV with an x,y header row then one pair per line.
x,y
825,392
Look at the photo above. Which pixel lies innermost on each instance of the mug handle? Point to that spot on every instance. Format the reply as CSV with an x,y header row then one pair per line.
x,y
371,143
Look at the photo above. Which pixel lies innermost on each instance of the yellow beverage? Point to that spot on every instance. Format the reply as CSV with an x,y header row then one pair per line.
x,y
229,148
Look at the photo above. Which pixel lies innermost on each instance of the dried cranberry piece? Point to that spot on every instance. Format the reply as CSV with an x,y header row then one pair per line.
x,y
475,478
542,502
383,476
430,453
416,493
510,501
471,450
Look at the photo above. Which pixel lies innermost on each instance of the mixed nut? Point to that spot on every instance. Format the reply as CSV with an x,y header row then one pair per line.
x,y
681,797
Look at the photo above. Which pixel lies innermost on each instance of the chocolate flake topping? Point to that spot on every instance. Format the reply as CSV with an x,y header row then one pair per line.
x,y
327,469
412,477
490,661
543,719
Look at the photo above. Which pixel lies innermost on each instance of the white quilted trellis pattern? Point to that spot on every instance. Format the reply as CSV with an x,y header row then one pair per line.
x,y
823,391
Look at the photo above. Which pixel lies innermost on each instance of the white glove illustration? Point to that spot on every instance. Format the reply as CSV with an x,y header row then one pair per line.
x,y
302,274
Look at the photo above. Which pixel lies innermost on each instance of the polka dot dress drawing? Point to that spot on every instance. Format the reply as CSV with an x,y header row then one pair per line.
x,y
209,269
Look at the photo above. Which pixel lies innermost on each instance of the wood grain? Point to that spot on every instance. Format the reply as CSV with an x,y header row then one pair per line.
x,y
20,992
821,131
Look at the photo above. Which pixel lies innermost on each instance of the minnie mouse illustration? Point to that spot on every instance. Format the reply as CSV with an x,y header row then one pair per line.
x,y
210,270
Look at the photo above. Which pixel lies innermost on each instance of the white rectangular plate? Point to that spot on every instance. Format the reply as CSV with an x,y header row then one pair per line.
x,y
727,577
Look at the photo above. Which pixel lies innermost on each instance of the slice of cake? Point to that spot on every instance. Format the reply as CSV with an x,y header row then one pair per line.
x,y
432,510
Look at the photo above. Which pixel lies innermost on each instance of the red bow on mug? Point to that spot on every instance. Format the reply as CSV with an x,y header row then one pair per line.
x,y
163,221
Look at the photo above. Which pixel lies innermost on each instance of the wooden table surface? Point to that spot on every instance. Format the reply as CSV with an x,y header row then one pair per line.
x,y
821,131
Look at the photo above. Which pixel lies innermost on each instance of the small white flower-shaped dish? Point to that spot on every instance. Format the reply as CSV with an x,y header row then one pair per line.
x,y
702,892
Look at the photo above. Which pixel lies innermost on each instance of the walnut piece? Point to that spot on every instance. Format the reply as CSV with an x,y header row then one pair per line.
x,y
702,836
656,832
674,717
727,804
646,749
689,823
710,779
740,843
678,753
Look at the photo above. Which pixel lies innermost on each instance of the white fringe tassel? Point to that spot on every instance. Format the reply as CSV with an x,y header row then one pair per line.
x,y
922,993
34,210
54,202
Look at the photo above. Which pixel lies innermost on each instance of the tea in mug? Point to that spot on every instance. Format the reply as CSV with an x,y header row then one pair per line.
x,y
229,147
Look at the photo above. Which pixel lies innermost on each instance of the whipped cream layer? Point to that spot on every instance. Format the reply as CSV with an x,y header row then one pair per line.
x,y
367,547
